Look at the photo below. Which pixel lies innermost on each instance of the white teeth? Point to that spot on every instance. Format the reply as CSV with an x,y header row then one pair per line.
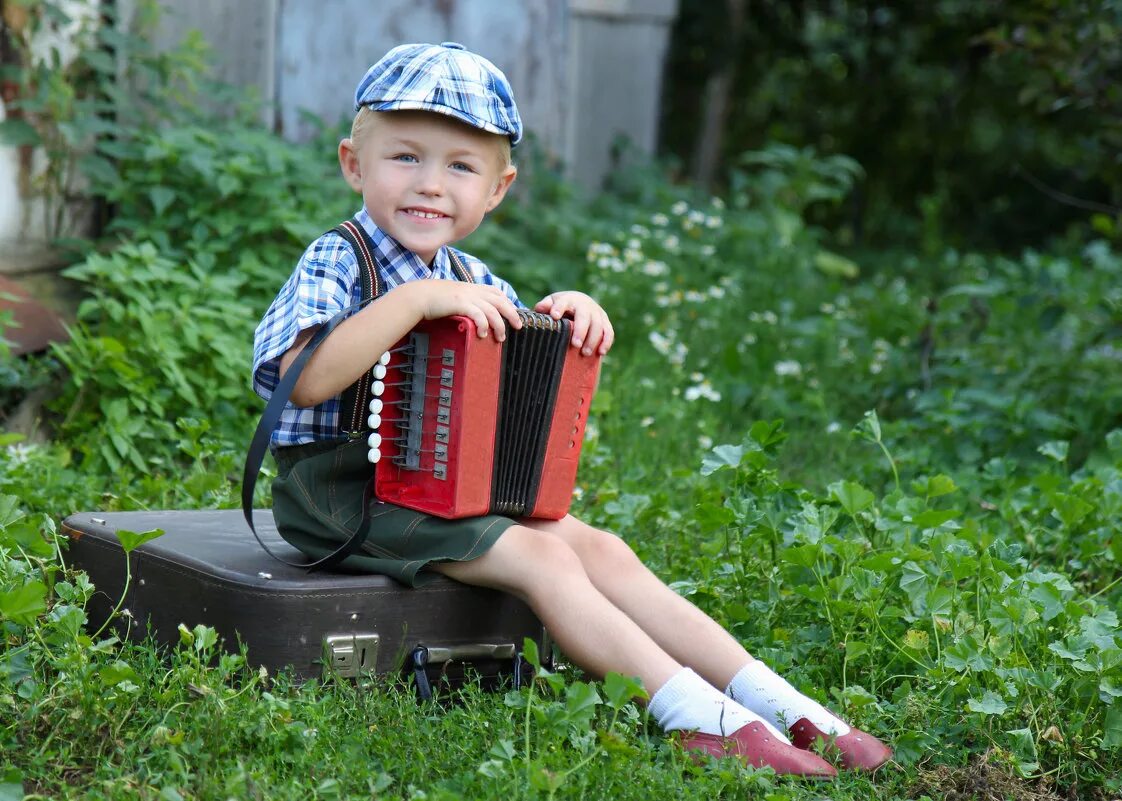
x,y
428,215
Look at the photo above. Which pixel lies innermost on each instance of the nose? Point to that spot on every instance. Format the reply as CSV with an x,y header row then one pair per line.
x,y
430,180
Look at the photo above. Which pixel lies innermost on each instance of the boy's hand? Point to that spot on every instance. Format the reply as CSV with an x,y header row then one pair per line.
x,y
591,327
486,306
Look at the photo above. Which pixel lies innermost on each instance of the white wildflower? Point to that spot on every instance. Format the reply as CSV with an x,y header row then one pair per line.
x,y
704,442
788,367
661,343
716,292
660,220
679,208
834,427
708,250
702,389
713,222
646,422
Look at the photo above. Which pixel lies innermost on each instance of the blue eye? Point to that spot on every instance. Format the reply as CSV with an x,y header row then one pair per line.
x,y
406,157
461,167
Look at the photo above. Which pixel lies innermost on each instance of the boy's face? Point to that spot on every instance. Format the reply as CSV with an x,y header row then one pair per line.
x,y
426,179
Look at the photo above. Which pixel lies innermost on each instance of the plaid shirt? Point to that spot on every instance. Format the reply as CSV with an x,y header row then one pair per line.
x,y
324,283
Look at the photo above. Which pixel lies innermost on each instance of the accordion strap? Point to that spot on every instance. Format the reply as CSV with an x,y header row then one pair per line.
x,y
371,289
354,400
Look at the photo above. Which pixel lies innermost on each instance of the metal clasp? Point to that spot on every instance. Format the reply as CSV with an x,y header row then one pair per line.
x,y
350,655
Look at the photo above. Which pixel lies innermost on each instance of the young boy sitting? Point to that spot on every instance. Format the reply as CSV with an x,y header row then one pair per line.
x,y
430,152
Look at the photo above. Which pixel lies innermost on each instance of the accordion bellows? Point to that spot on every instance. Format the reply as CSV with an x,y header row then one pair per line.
x,y
464,426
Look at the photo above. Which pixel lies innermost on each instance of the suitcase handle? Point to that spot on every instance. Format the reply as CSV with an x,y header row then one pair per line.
x,y
422,656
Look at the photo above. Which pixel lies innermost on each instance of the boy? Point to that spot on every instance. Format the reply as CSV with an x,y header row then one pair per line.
x,y
430,153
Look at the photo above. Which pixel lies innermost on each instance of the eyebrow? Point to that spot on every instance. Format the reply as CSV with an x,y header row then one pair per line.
x,y
457,153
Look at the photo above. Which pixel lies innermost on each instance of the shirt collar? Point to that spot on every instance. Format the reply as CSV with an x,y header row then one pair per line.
x,y
397,261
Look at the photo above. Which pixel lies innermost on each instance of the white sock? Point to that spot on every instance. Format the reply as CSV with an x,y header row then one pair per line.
x,y
771,697
688,703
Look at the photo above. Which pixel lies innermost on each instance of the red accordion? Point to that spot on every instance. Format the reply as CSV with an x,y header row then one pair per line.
x,y
464,426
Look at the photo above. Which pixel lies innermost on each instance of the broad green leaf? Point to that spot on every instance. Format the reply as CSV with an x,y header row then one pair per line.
x,y
113,674
939,485
15,132
990,704
834,265
852,496
1112,728
161,197
1056,449
1070,509
530,653
24,604
205,637
721,457
621,690
581,700
933,518
131,540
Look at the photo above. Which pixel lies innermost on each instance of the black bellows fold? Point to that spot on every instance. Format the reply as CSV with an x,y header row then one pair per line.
x,y
533,359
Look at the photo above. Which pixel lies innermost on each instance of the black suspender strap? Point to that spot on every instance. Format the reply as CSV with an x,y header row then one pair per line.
x,y
354,401
371,289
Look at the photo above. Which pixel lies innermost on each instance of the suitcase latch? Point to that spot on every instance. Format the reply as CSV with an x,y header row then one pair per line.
x,y
350,655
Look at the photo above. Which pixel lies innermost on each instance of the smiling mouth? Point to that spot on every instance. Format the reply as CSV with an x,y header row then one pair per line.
x,y
424,215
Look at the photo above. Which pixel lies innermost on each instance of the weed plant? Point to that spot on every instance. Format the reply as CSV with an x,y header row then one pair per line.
x,y
899,481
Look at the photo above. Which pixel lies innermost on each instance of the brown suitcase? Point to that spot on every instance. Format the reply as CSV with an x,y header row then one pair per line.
x,y
207,568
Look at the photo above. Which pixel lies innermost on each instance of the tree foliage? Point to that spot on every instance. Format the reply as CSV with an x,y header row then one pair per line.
x,y
992,123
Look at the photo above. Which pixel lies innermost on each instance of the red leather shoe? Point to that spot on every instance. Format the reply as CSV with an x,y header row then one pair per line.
x,y
757,747
856,750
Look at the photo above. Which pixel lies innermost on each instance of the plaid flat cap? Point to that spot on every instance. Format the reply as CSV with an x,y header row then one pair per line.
x,y
445,78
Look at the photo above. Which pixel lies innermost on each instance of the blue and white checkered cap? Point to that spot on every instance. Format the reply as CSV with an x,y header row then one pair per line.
x,y
445,78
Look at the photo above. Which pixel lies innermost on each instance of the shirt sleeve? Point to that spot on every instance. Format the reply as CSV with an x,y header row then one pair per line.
x,y
319,288
483,275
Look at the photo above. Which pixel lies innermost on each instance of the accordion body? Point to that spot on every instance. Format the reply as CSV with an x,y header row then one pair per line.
x,y
462,426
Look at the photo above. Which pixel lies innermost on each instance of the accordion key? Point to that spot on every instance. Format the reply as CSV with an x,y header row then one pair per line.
x,y
463,426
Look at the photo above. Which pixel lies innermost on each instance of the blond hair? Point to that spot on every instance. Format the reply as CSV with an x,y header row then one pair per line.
x,y
364,123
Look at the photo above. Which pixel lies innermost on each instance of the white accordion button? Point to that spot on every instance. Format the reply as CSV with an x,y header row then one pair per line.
x,y
377,388
373,455
373,441
375,405
379,371
385,358
374,420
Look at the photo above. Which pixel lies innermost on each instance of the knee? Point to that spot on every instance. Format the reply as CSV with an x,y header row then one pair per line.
x,y
548,558
607,551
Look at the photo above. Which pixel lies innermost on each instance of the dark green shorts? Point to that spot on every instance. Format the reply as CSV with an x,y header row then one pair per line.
x,y
317,504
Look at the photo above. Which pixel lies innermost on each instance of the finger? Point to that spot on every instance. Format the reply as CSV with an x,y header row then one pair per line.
x,y
560,303
581,321
609,336
544,305
510,312
479,317
495,320
595,334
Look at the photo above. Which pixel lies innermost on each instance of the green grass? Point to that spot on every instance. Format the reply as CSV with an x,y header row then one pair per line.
x,y
927,541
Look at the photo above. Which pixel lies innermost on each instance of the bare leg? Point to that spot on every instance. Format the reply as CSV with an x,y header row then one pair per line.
x,y
680,628
544,571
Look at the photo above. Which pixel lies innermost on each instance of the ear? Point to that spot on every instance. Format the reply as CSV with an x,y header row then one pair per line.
x,y
506,178
349,164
